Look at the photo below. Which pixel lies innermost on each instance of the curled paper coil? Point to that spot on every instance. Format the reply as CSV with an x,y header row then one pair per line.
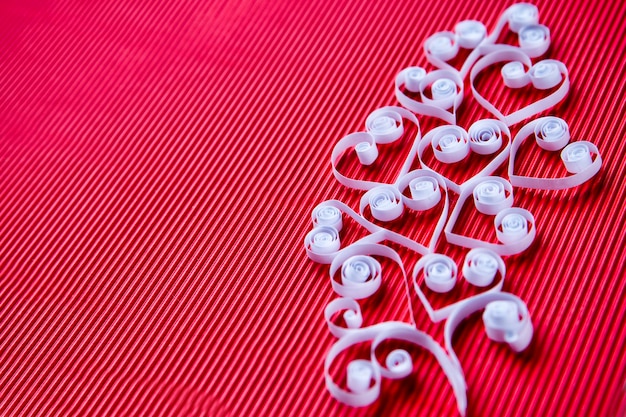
x,y
520,15
493,194
486,136
442,46
399,364
384,201
361,275
412,78
515,75
547,74
481,265
440,272
385,125
470,33
503,324
322,244
506,319
324,215
551,133
352,316
581,158
367,151
577,156
444,88
450,144
534,40
424,187
515,227
359,375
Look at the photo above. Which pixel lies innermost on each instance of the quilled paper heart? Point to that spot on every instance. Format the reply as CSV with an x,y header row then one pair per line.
x,y
522,18
515,227
552,134
446,92
543,75
384,126
363,377
451,144
441,273
506,319
419,190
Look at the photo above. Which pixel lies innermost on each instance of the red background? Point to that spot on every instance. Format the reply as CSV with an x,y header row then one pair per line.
x,y
158,165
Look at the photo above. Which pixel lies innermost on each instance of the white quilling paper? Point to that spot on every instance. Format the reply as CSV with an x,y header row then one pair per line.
x,y
357,270
552,134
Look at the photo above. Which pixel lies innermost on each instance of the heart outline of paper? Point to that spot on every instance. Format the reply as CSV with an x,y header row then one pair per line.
x,y
422,107
487,170
469,242
437,315
560,183
353,139
507,53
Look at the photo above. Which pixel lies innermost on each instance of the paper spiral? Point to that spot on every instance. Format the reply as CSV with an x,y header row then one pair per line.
x,y
440,273
507,321
442,46
450,144
546,74
522,14
481,265
322,243
552,133
470,33
384,125
534,40
512,225
514,74
493,194
414,75
351,314
325,215
385,202
576,156
486,136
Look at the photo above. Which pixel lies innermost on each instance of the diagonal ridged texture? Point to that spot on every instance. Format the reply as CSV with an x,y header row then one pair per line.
x,y
158,164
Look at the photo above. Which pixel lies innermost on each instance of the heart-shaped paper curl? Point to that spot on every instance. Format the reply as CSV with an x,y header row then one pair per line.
x,y
522,18
447,90
543,75
515,227
387,203
384,126
429,262
552,134
452,143
364,377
